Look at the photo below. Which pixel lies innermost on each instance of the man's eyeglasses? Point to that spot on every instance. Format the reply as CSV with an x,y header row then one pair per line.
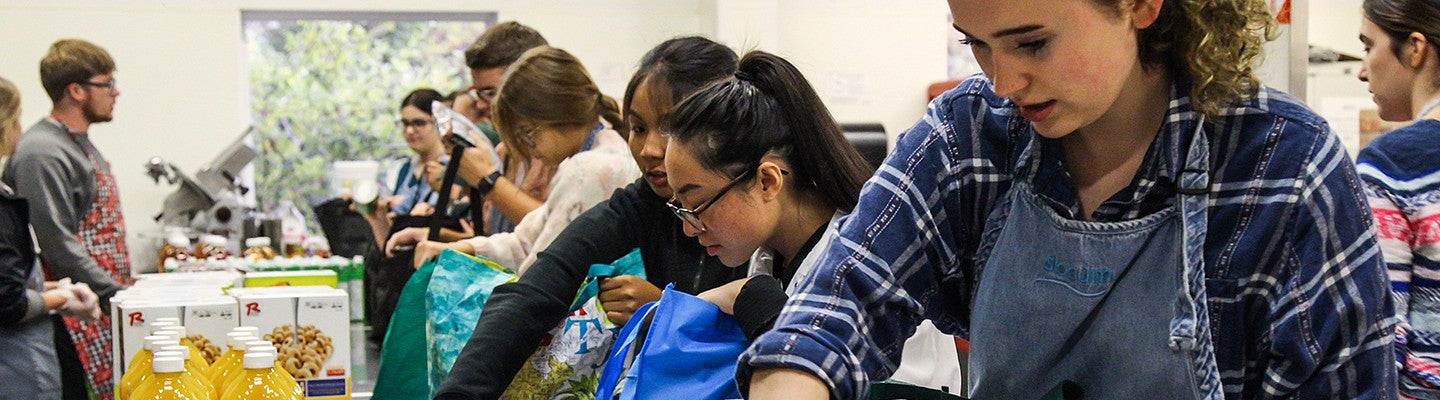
x,y
111,85
692,217
488,94
415,123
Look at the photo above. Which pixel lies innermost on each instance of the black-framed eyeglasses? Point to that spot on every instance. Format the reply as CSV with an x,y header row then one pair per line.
x,y
111,85
692,217
488,93
416,123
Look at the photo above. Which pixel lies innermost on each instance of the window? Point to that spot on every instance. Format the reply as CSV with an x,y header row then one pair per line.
x,y
326,87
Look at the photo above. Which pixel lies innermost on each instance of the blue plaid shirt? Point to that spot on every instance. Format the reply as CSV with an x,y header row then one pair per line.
x,y
1299,300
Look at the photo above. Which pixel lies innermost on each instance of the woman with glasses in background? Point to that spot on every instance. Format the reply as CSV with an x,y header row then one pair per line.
x,y
412,194
548,107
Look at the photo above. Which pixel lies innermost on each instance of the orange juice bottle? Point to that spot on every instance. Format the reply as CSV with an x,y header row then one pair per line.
x,y
192,379
239,369
168,383
138,367
234,352
258,382
235,365
197,361
281,374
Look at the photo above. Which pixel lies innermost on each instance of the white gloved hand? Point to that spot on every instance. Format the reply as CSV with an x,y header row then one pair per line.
x,y
88,299
75,305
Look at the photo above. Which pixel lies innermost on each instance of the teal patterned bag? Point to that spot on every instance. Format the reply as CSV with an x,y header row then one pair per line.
x,y
456,294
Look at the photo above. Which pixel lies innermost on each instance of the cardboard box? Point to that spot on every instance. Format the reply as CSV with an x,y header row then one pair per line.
x,y
271,313
322,353
131,324
207,321
292,278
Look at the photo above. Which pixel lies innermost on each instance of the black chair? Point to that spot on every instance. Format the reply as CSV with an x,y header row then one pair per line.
x,y
348,233
869,139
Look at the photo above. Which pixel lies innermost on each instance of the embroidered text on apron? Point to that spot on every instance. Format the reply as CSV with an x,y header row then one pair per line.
x,y
1117,307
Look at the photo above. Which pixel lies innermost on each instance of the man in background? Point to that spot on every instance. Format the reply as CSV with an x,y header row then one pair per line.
x,y
74,202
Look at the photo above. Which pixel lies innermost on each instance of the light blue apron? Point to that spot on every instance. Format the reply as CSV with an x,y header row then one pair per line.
x,y
1116,307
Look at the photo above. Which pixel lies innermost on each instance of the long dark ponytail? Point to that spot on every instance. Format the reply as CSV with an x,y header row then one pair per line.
x,y
769,107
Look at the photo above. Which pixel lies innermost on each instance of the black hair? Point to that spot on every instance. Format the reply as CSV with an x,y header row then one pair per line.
x,y
769,107
421,99
681,66
1398,18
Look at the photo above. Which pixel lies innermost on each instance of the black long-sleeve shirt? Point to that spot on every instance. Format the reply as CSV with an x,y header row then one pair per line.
x,y
19,298
518,314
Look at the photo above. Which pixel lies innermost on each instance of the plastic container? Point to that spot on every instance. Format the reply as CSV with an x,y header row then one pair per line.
x,y
213,247
258,249
280,373
183,336
258,381
317,246
139,367
176,247
233,360
193,377
168,383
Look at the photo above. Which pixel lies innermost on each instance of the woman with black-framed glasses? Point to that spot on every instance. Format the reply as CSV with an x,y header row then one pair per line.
x,y
766,171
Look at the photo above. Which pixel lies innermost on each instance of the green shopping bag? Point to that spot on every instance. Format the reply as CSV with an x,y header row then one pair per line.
x,y
402,356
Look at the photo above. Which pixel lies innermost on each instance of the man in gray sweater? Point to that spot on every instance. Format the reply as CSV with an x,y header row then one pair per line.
x,y
74,203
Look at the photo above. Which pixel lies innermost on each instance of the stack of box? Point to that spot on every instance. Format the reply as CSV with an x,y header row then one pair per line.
x,y
310,326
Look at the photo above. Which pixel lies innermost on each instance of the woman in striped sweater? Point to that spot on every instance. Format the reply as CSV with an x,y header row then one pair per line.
x,y
1401,171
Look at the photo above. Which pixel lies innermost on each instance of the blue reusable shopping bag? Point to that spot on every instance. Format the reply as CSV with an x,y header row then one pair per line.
x,y
688,351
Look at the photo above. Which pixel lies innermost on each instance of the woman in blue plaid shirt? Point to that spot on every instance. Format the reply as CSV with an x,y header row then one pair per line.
x,y
1117,204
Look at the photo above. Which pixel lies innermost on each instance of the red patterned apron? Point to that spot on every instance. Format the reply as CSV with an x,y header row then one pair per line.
x,y
103,234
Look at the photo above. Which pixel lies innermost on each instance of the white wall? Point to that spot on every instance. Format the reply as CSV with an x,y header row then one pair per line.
x,y
1336,24
182,74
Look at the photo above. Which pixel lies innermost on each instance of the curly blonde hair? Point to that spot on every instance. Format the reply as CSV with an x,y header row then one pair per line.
x,y
1213,44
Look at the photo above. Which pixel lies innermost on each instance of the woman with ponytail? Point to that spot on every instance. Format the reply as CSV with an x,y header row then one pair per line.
x,y
1115,207
547,108
1402,67
761,170
633,217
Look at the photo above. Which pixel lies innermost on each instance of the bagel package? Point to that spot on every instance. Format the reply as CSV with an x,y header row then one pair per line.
x,y
310,327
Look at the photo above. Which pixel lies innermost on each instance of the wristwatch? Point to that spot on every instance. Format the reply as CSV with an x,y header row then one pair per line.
x,y
487,184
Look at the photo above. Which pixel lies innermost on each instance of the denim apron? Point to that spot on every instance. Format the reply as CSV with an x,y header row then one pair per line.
x,y
1116,307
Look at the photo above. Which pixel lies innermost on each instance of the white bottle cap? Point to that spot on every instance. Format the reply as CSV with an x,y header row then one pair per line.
x,y
213,240
257,242
170,364
262,349
179,331
259,360
178,241
236,340
245,329
150,340
182,349
257,343
161,325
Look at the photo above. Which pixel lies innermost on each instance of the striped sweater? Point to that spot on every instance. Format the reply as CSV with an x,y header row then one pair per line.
x,y
1401,172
